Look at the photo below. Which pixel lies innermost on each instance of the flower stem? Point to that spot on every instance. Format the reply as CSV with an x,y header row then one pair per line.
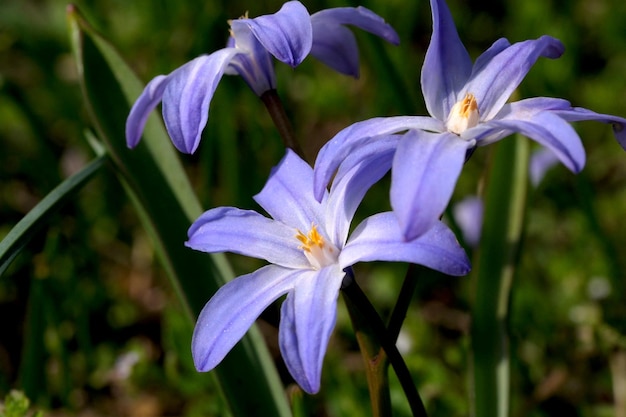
x,y
378,350
277,112
409,285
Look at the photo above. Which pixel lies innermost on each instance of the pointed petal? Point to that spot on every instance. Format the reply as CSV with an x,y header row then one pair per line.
x,y
231,311
307,320
425,169
447,65
549,130
468,214
146,102
380,238
540,163
288,194
349,139
361,17
286,34
484,58
357,173
576,114
336,47
493,83
246,232
187,97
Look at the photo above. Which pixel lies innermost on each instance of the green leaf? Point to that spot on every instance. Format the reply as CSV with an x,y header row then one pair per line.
x,y
494,267
22,232
160,190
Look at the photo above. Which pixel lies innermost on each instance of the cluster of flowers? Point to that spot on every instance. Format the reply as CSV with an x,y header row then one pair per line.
x,y
306,239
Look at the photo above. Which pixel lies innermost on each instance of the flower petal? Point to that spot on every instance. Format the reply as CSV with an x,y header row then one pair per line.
x,y
425,169
349,139
468,215
255,65
447,65
307,320
357,173
231,311
575,114
336,47
147,101
549,130
361,17
288,194
380,238
540,163
286,34
187,97
246,232
493,83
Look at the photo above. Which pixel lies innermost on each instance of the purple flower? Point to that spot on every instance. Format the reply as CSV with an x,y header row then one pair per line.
x,y
467,106
289,35
306,243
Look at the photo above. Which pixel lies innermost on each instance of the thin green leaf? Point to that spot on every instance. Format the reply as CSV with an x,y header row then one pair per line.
x,y
158,186
493,271
22,232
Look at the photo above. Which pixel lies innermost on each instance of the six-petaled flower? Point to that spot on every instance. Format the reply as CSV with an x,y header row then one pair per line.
x,y
467,106
306,243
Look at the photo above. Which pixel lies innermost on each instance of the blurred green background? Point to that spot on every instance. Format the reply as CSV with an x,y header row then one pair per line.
x,y
88,323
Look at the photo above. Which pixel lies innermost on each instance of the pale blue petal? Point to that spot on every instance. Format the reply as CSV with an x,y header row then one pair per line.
x,y
246,232
468,215
231,311
576,114
188,94
336,46
286,34
540,163
356,175
307,319
550,130
349,139
146,102
288,194
255,65
379,238
360,17
493,84
486,57
447,65
425,169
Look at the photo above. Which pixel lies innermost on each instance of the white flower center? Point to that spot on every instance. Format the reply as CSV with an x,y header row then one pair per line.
x,y
319,252
464,115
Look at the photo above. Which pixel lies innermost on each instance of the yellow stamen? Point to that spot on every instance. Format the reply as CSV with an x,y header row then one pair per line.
x,y
463,115
318,252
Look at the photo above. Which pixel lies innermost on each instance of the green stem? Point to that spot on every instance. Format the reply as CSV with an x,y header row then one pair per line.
x,y
371,329
277,112
493,272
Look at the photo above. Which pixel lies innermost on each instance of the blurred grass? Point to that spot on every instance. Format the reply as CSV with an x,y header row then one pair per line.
x,y
88,295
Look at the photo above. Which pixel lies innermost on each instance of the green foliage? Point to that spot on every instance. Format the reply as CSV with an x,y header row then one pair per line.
x,y
87,292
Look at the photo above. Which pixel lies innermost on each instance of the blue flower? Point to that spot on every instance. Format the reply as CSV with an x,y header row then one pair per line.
x,y
306,243
468,108
289,35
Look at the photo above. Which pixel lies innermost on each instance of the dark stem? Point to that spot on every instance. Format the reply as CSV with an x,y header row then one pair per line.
x,y
409,285
374,328
277,112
